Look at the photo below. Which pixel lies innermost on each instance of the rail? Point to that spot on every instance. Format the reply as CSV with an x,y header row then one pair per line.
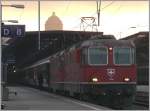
x,y
142,99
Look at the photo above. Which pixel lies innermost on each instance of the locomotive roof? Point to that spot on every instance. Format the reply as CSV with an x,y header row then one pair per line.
x,y
99,41
107,42
38,63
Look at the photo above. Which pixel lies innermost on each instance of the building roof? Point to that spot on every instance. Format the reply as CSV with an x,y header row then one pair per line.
x,y
141,41
26,49
137,35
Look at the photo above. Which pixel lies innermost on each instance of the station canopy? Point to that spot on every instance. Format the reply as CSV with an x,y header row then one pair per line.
x,y
26,50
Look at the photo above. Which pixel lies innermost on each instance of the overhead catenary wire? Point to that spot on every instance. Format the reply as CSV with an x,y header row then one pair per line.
x,y
98,2
67,7
107,5
99,10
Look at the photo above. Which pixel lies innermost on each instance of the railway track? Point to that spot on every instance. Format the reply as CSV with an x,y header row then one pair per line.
x,y
142,99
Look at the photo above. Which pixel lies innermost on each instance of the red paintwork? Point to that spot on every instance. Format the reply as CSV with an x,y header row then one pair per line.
x,y
75,72
100,72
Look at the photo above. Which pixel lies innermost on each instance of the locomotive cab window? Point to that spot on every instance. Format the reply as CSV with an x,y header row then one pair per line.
x,y
97,56
123,56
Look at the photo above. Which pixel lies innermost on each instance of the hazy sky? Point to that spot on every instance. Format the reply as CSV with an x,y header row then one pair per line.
x,y
116,16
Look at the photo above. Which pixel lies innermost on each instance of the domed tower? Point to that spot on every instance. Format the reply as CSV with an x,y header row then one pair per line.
x,y
53,23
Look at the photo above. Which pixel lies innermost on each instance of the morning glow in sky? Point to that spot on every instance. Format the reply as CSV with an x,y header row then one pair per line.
x,y
116,17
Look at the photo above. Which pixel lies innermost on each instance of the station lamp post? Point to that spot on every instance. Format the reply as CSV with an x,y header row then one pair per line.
x,y
39,34
4,89
13,5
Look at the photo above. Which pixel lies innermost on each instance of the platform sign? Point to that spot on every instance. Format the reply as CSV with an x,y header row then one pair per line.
x,y
11,61
13,31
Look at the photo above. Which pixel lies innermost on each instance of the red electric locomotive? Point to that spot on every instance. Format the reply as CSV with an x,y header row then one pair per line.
x,y
99,68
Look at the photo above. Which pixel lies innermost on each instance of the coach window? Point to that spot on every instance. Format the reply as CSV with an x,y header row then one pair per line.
x,y
123,56
97,56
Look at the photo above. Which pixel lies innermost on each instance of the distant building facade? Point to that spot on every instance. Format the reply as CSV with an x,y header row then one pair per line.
x,y
53,23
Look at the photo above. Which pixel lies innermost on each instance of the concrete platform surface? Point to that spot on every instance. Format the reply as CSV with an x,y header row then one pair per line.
x,y
33,99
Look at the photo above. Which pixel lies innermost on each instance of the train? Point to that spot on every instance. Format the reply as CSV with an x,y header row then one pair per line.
x,y
101,68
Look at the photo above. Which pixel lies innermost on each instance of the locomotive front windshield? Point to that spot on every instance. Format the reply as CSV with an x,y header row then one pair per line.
x,y
97,56
123,56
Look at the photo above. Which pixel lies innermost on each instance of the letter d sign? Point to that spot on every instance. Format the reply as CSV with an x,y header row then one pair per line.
x,y
6,32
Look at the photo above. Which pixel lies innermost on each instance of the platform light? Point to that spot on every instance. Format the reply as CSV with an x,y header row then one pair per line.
x,y
17,6
14,5
95,79
12,21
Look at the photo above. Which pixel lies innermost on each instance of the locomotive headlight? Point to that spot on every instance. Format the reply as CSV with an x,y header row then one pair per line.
x,y
110,48
95,79
126,79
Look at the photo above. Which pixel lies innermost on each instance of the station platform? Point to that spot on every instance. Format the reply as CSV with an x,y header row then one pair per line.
x,y
33,99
